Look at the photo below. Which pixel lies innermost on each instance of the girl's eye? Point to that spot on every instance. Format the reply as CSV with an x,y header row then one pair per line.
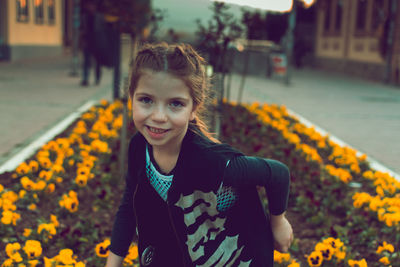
x,y
145,100
176,104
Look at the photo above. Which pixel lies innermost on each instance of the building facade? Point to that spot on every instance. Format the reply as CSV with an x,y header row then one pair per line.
x,y
31,28
359,37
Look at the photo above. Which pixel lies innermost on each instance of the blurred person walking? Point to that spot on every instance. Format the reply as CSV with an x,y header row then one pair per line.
x,y
88,42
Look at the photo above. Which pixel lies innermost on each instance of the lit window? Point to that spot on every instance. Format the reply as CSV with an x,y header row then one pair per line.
x,y
39,11
51,11
22,10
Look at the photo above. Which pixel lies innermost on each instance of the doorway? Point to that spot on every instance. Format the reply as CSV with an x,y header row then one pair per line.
x,y
3,30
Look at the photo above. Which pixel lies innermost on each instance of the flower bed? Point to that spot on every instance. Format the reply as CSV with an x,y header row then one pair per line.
x,y
58,206
334,193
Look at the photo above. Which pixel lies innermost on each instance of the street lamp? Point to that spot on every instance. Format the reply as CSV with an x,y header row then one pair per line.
x,y
75,38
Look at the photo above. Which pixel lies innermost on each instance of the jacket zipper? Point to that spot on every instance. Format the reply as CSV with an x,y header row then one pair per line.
x,y
176,234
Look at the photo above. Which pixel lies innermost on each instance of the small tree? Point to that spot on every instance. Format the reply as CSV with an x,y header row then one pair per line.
x,y
157,16
214,39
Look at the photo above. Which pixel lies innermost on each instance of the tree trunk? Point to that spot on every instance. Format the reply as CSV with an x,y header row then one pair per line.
x,y
244,73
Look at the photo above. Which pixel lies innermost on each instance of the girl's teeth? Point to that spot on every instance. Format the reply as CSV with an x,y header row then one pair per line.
x,y
154,130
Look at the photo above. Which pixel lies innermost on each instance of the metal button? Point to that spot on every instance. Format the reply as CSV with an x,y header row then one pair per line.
x,y
147,255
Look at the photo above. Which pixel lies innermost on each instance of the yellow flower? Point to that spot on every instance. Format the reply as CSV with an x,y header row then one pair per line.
x,y
102,249
12,248
33,263
133,253
27,183
340,255
81,180
103,102
8,204
65,256
384,260
7,217
12,251
50,188
53,219
83,170
34,165
385,246
94,135
15,218
32,206
360,263
33,249
325,249
278,257
40,185
117,124
23,168
58,168
27,232
294,264
48,227
1,187
48,262
44,162
315,259
21,193
72,204
8,263
360,199
99,146
46,174
334,243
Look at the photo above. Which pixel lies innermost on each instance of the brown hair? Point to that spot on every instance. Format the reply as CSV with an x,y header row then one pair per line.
x,y
183,62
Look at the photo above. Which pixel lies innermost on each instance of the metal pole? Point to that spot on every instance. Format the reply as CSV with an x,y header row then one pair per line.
x,y
289,42
117,64
75,38
389,41
123,139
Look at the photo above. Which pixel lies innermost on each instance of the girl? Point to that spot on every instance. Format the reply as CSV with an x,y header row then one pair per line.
x,y
190,200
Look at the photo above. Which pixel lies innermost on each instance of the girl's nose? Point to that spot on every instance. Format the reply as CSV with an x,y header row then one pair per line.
x,y
159,115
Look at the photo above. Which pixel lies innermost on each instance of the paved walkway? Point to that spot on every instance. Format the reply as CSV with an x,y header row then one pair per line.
x,y
35,95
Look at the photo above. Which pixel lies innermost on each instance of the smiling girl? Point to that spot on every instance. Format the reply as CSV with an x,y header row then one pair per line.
x,y
190,200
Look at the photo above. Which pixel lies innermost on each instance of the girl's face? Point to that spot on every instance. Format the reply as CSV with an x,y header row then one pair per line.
x,y
161,109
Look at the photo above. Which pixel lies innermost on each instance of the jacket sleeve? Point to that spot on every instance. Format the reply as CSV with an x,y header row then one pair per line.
x,y
244,171
125,222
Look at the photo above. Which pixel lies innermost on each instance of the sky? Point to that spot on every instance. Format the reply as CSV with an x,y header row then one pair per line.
x,y
182,14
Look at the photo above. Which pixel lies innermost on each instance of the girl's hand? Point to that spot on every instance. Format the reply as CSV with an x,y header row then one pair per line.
x,y
114,260
282,232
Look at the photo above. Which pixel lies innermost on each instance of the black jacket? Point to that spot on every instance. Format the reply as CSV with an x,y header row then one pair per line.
x,y
187,230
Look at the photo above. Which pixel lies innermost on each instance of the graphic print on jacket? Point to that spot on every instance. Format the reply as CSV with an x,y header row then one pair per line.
x,y
204,224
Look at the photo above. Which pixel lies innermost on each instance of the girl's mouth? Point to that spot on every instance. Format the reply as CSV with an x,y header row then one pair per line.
x,y
156,133
156,130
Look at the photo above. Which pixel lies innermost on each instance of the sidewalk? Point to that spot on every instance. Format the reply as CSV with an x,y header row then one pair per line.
x,y
37,94
362,114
